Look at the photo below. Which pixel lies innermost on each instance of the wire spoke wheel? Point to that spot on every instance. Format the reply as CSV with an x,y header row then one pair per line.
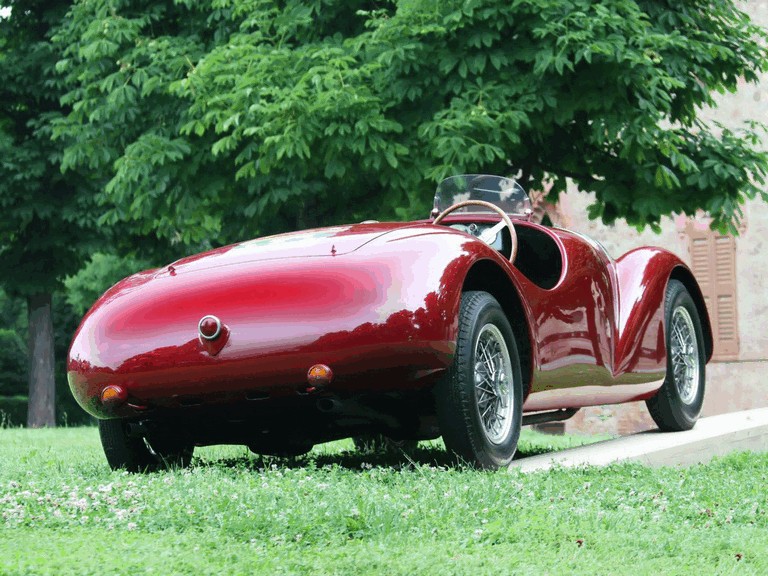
x,y
493,384
677,404
685,355
479,402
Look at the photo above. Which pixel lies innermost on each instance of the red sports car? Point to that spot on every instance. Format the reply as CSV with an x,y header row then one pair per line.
x,y
468,325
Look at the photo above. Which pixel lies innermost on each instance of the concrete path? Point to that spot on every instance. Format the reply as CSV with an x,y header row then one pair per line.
x,y
713,436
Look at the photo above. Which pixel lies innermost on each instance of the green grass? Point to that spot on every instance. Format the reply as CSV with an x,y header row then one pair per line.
x,y
63,512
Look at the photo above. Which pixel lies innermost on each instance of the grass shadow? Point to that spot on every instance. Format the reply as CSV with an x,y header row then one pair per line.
x,y
424,455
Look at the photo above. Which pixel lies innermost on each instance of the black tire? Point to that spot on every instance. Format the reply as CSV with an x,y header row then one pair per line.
x,y
677,404
136,454
458,400
380,444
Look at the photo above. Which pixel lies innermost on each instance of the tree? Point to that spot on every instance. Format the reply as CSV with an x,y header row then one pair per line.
x,y
250,116
47,224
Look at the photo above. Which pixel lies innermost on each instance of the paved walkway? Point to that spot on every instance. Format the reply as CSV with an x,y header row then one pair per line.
x,y
713,436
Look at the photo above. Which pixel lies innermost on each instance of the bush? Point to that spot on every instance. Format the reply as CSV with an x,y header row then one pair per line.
x,y
13,411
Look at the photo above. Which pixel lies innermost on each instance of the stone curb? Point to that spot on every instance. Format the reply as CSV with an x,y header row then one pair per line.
x,y
713,436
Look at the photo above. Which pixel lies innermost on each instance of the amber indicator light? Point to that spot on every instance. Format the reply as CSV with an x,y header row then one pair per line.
x,y
319,375
113,395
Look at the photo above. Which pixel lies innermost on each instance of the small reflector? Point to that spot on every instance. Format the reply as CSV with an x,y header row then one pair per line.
x,y
319,375
209,327
113,396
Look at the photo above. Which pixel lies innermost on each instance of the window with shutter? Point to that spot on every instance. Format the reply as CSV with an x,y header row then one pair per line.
x,y
713,262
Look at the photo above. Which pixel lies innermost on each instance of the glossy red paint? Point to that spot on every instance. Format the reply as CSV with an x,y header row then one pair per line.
x,y
378,304
601,326
379,313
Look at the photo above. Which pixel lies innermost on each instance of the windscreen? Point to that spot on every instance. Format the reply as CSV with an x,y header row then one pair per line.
x,y
505,193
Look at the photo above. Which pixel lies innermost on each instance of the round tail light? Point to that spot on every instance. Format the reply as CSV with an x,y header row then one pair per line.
x,y
209,327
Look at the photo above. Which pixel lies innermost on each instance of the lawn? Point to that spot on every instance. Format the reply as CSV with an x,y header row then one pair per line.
x,y
62,511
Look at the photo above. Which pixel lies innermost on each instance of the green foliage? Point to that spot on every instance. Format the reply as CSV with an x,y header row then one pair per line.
x,y
13,411
248,116
47,225
47,218
62,511
13,350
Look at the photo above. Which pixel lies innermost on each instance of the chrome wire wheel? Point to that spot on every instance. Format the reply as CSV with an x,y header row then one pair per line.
x,y
494,386
677,404
685,355
479,401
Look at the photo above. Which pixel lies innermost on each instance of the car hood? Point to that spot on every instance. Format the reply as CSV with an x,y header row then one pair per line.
x,y
332,241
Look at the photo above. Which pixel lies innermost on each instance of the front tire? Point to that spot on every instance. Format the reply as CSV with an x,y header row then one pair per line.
x,y
137,454
480,400
677,405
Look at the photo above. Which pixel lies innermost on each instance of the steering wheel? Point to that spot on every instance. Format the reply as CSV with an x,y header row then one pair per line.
x,y
488,235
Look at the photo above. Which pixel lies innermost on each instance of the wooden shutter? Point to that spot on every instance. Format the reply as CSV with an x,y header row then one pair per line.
x,y
713,261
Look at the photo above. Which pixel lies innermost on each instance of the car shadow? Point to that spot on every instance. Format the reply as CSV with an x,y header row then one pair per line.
x,y
353,460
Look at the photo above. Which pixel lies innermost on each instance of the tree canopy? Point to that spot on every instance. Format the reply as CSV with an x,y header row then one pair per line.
x,y
245,116
47,218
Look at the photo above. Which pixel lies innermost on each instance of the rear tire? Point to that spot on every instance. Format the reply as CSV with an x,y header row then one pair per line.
x,y
137,454
480,400
677,405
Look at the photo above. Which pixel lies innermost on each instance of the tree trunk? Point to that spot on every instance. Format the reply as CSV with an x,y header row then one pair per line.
x,y
42,385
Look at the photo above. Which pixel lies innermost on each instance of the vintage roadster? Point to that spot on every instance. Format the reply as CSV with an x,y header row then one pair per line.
x,y
468,325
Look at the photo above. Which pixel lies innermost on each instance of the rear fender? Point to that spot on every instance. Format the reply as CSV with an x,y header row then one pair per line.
x,y
467,264
489,276
384,317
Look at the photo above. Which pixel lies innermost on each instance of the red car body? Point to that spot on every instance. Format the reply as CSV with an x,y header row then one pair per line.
x,y
378,304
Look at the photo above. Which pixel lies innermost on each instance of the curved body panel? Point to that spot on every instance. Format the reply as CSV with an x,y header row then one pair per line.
x,y
379,305
600,332
382,318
